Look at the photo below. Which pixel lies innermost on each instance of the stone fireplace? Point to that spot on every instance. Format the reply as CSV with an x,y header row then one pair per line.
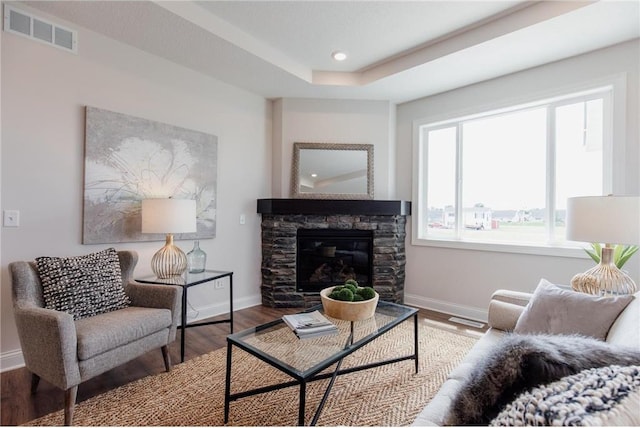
x,y
336,237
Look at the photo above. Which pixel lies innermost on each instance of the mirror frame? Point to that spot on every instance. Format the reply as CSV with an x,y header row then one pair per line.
x,y
295,170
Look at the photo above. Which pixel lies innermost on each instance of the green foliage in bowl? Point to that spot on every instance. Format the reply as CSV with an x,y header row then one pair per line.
x,y
351,292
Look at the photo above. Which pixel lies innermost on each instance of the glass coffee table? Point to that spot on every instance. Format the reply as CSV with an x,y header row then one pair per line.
x,y
306,359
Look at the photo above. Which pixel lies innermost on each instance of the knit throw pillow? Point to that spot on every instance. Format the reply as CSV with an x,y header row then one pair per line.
x,y
83,286
604,396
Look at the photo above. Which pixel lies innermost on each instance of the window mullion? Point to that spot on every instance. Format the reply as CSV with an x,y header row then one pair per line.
x,y
550,212
607,150
459,178
421,183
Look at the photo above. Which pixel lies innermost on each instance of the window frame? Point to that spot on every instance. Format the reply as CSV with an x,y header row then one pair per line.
x,y
612,89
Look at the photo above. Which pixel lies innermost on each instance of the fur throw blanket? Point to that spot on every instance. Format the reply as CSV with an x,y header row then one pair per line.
x,y
521,362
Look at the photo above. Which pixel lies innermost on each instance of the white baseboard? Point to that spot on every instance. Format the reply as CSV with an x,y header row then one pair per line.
x,y
221,308
12,360
462,311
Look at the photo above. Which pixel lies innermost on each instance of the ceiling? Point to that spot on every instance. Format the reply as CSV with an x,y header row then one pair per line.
x,y
398,50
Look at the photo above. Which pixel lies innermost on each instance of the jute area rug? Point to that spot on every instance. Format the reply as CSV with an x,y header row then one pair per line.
x,y
193,393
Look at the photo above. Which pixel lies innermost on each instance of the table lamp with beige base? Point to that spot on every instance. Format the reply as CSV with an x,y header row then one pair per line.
x,y
610,220
168,216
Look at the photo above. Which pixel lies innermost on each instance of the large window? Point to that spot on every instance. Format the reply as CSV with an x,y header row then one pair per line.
x,y
503,177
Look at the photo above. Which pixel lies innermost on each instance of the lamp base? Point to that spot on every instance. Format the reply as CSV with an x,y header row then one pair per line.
x,y
169,261
605,279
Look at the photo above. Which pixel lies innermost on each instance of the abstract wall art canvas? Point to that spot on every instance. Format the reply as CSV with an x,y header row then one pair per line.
x,y
128,159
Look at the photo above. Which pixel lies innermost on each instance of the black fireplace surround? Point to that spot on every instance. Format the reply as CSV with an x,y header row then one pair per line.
x,y
327,257
310,244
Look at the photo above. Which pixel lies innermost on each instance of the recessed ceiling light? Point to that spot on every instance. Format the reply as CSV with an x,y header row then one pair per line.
x,y
339,56
314,175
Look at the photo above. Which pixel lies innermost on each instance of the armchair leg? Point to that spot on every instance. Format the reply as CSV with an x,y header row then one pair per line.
x,y
35,381
70,404
166,357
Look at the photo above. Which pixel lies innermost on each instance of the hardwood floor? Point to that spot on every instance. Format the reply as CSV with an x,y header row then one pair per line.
x,y
20,406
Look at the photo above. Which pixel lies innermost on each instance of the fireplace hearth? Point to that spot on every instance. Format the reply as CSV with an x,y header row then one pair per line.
x,y
308,245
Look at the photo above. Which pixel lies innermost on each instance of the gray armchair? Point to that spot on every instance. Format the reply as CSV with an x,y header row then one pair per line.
x,y
66,352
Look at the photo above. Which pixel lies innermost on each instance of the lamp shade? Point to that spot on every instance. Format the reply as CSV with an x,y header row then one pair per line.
x,y
604,219
168,216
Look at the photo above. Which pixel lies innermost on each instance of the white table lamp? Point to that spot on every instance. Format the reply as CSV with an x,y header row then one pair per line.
x,y
610,220
168,216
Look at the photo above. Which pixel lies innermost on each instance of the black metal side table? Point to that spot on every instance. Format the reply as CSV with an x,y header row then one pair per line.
x,y
186,281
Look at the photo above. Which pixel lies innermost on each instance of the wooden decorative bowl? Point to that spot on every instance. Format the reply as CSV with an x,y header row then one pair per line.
x,y
348,311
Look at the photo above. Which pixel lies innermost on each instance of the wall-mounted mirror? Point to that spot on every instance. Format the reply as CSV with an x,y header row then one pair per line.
x,y
332,171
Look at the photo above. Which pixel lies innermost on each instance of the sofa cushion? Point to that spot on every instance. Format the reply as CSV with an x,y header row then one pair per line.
x,y
553,310
83,286
605,396
126,325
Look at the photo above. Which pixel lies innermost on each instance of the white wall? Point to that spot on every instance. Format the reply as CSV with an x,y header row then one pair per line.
x,y
461,281
333,121
44,92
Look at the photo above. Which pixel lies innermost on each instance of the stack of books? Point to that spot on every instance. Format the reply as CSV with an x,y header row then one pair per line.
x,y
310,324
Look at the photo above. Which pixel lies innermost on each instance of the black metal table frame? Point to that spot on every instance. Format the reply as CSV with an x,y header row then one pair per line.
x,y
183,316
312,377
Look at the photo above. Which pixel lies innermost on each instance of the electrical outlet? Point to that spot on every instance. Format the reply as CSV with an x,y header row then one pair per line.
x,y
11,218
219,284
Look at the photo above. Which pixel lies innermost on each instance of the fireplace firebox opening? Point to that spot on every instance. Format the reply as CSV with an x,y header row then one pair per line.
x,y
327,257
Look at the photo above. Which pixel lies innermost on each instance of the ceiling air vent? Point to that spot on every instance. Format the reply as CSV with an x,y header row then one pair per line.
x,y
26,24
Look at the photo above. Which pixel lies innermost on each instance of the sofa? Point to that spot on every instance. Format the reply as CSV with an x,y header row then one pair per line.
x,y
505,309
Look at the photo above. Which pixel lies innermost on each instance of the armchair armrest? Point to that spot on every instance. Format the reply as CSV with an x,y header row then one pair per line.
x,y
157,296
154,296
505,308
49,345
